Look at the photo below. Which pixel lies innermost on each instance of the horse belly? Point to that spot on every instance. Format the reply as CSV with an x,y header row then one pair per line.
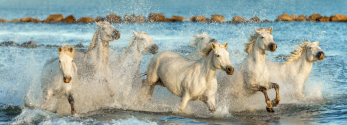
x,y
172,83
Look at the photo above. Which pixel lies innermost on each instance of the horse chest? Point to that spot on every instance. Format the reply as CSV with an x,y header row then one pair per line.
x,y
67,86
258,75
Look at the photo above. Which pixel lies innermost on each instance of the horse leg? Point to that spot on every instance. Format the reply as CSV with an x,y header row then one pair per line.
x,y
277,100
71,101
144,86
299,91
184,101
49,93
109,88
210,102
267,100
151,88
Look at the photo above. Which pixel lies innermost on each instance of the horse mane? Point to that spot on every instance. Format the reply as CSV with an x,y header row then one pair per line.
x,y
92,44
65,49
195,41
252,38
298,52
208,49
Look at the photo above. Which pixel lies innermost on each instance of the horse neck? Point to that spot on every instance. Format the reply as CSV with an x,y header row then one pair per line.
x,y
132,51
257,55
207,68
302,66
102,47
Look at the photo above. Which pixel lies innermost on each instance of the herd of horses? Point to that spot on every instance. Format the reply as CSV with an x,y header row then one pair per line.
x,y
191,77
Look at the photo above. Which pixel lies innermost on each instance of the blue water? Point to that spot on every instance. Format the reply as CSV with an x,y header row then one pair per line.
x,y
20,68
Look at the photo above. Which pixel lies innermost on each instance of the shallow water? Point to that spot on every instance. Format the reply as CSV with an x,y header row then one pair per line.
x,y
20,68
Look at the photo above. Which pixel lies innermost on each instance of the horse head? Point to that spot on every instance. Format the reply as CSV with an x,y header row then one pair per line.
x,y
313,52
66,64
265,40
202,41
107,31
221,58
144,43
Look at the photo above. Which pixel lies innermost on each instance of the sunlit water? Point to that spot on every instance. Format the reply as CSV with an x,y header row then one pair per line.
x,y
20,68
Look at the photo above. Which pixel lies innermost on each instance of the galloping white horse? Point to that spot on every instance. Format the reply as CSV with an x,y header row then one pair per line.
x,y
201,42
96,60
190,80
298,67
129,62
253,75
58,76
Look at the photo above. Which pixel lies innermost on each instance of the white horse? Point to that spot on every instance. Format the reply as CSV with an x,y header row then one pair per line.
x,y
129,62
298,66
253,75
96,60
57,78
190,80
201,42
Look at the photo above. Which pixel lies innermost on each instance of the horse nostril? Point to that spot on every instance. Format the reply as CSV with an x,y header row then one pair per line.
x,y
273,47
154,49
320,55
67,79
230,70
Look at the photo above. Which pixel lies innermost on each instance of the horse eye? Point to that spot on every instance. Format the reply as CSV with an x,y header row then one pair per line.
x,y
217,55
59,61
309,48
262,37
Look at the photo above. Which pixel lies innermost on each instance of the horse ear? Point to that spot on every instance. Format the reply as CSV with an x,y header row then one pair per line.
x,y
226,45
98,24
258,32
271,30
316,43
70,49
213,46
59,49
196,35
135,33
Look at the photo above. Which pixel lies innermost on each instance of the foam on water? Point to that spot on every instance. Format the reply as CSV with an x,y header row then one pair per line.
x,y
43,117
163,100
20,68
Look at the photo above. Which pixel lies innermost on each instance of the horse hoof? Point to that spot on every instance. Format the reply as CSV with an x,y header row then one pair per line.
x,y
73,112
274,103
270,110
213,110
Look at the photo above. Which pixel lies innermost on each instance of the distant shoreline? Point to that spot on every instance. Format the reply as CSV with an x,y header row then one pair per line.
x,y
158,17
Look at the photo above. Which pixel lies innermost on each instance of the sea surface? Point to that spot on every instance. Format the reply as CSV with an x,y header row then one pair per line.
x,y
325,101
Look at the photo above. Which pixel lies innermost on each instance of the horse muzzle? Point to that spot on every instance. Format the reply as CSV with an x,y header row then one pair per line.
x,y
273,47
154,49
213,41
67,79
320,55
116,34
229,70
